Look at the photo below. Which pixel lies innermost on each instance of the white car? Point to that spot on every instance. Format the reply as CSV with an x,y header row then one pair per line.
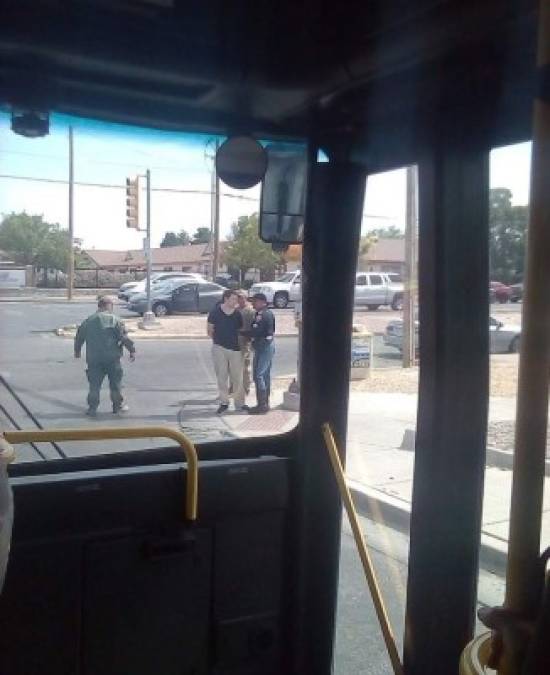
x,y
503,338
128,289
280,292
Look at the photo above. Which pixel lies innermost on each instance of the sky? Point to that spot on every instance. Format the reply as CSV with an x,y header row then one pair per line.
x,y
109,153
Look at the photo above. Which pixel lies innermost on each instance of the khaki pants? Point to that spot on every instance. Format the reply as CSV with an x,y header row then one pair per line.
x,y
228,365
246,352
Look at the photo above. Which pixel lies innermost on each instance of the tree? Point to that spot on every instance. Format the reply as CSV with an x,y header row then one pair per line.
x,y
507,235
173,239
202,235
245,250
30,240
390,232
365,244
54,253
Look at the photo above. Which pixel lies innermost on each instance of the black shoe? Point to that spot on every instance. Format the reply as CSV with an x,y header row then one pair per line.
x,y
91,412
263,404
259,410
223,408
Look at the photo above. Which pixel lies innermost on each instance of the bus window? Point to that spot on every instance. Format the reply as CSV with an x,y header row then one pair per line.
x,y
510,170
165,367
381,420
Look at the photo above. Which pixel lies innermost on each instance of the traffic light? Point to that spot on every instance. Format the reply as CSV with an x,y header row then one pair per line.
x,y
132,203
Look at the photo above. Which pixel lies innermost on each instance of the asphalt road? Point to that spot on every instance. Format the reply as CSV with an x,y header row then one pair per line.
x,y
167,376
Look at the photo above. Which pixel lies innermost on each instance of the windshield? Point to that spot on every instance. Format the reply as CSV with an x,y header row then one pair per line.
x,y
176,379
395,278
287,277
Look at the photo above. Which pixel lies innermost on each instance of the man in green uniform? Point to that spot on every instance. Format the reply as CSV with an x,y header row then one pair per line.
x,y
104,335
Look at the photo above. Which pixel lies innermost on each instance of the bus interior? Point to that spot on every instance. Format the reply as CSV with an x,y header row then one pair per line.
x,y
134,559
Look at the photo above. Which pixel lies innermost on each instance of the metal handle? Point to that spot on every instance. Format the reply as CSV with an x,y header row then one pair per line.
x,y
106,433
474,658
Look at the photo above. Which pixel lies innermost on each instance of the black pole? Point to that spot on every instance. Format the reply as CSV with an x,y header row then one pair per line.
x,y
452,408
333,224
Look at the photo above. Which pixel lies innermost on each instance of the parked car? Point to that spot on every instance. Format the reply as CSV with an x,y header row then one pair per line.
x,y
503,338
517,292
502,293
125,289
373,289
226,280
177,295
128,289
279,293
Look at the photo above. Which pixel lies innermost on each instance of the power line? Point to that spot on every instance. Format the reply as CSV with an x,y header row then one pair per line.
x,y
58,181
90,160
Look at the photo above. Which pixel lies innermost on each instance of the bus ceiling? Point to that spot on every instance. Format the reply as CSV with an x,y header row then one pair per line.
x,y
339,72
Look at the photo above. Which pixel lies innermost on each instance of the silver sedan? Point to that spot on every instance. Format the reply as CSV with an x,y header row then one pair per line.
x,y
503,338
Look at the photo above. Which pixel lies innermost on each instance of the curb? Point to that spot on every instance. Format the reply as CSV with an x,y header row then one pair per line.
x,y
504,459
395,513
494,457
51,300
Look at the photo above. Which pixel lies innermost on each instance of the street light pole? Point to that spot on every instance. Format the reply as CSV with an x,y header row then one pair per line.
x,y
148,240
148,317
70,275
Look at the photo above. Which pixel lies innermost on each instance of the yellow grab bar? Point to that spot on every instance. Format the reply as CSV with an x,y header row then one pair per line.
x,y
108,433
474,658
368,567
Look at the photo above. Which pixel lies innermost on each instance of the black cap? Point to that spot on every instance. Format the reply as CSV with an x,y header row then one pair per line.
x,y
259,296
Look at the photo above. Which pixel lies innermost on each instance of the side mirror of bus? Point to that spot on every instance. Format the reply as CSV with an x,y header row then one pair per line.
x,y
283,201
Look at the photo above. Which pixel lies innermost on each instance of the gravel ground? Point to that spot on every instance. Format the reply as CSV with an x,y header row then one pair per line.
x,y
501,435
503,378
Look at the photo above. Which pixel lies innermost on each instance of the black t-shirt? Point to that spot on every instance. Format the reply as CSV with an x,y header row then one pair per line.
x,y
226,328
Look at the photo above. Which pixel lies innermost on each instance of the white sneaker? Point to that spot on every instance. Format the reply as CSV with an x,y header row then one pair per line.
x,y
123,409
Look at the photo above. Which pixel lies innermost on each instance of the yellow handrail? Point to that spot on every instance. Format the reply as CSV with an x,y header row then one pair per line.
x,y
368,567
107,433
475,656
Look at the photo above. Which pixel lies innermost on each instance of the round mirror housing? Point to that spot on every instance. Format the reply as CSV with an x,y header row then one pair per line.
x,y
241,162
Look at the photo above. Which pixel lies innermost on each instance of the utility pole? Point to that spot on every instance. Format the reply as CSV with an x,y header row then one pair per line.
x,y
148,317
409,327
215,214
70,272
216,247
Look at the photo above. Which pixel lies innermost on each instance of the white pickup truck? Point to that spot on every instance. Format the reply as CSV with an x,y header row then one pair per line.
x,y
372,289
279,293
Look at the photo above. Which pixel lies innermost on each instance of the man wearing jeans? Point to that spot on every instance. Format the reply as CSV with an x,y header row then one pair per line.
x,y
224,324
262,331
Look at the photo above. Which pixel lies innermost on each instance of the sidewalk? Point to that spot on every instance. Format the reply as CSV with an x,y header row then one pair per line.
x,y
33,294
181,327
193,326
381,474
